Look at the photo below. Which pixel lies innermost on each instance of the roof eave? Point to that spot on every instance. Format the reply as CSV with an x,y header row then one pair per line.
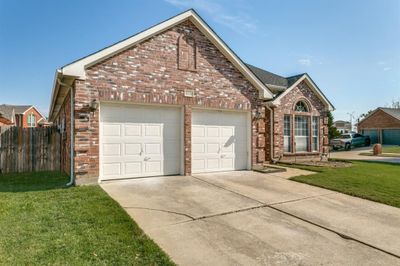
x,y
77,68
319,93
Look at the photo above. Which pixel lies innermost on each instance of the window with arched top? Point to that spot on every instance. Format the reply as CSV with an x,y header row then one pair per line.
x,y
301,107
187,53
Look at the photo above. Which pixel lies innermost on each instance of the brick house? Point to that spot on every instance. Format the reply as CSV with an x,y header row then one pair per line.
x,y
175,99
21,116
382,125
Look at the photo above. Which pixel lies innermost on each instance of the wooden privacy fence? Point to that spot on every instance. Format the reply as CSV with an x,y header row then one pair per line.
x,y
30,149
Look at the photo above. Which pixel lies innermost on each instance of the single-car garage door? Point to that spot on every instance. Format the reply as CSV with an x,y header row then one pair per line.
x,y
219,141
391,136
139,141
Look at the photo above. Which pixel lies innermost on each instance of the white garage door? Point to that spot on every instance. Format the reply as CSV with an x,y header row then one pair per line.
x,y
219,141
138,141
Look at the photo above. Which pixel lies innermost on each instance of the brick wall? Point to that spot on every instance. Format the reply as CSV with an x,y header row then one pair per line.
x,y
24,117
379,119
317,108
149,73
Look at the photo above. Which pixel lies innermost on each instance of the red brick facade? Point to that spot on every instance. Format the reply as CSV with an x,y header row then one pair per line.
x,y
158,71
287,107
21,120
379,119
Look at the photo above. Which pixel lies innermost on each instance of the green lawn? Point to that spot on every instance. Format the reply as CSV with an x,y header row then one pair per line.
x,y
370,180
44,224
391,149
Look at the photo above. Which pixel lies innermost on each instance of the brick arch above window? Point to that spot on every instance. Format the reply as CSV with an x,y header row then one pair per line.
x,y
302,105
187,53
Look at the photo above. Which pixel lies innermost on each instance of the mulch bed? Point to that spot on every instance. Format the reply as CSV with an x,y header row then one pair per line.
x,y
331,164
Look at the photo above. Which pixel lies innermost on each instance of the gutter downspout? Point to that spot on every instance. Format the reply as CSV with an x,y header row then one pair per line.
x,y
271,130
72,175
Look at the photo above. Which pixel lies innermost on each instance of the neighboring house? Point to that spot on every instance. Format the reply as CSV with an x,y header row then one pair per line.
x,y
175,99
382,125
21,116
342,126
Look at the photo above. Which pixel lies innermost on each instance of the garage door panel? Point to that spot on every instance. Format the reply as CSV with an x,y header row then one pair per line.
x,y
213,163
153,166
133,149
152,130
133,168
391,136
112,130
145,135
212,148
133,130
152,148
112,149
198,131
111,169
218,141
198,148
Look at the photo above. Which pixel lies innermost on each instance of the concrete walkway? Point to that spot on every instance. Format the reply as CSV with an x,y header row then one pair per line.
x,y
354,155
249,218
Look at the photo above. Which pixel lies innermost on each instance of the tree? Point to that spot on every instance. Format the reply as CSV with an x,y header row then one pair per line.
x,y
395,104
332,130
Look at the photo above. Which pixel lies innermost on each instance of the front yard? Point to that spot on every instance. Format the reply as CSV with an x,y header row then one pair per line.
x,y
370,180
387,151
44,224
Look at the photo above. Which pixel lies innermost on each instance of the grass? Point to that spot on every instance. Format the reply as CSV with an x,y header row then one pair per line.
x,y
391,149
370,180
380,155
44,224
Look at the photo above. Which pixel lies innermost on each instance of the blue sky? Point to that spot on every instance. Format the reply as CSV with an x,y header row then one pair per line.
x,y
350,48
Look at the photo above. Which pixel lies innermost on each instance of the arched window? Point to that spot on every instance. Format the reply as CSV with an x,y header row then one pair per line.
x,y
301,107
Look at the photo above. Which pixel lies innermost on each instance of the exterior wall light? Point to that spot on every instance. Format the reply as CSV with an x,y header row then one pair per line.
x,y
93,105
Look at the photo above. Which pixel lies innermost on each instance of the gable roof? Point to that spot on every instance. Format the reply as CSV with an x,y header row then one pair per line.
x,y
8,111
77,68
280,85
394,112
294,81
269,78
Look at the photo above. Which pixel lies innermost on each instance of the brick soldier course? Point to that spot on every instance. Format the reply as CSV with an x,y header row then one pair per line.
x,y
159,70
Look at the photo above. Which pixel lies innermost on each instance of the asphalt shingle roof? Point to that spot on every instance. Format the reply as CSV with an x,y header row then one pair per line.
x,y
6,110
395,112
270,78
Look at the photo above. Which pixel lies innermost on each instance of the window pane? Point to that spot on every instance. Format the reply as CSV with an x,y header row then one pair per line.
x,y
315,131
286,134
301,133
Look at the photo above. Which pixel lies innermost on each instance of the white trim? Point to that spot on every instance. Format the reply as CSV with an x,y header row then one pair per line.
x,y
32,106
77,68
313,87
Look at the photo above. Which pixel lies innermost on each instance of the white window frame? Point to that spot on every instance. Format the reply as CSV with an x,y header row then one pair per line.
x,y
301,133
287,133
31,120
315,133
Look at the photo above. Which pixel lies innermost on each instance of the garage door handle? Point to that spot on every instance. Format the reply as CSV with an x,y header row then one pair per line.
x,y
223,156
147,158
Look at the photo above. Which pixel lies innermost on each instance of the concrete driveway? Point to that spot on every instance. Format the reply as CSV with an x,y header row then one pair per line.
x,y
354,154
249,218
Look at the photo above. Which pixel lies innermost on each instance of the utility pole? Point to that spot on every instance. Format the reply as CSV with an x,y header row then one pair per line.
x,y
351,120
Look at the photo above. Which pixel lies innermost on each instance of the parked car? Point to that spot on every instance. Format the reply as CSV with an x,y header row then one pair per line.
x,y
349,140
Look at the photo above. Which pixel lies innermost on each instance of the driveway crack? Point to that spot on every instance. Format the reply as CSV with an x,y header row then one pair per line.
x,y
159,210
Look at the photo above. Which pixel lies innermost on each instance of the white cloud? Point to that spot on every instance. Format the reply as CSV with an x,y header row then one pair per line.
x,y
304,61
387,68
241,23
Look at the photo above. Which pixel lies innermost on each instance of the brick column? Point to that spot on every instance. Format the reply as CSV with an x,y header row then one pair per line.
x,y
86,132
187,139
